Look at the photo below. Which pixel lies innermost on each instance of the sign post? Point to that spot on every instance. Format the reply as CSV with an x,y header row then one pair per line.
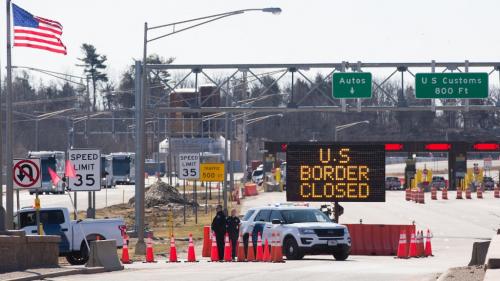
x,y
451,85
87,165
352,85
26,175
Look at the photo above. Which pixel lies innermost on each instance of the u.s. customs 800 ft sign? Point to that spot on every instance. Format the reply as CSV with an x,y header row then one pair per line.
x,y
335,172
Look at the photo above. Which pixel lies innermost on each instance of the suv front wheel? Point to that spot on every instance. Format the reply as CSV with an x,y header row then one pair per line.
x,y
292,250
341,255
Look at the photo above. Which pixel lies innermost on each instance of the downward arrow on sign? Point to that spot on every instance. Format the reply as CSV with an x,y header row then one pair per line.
x,y
22,173
352,91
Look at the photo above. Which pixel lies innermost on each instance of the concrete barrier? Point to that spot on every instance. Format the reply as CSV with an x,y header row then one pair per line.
x,y
493,256
479,251
492,275
20,251
103,254
377,239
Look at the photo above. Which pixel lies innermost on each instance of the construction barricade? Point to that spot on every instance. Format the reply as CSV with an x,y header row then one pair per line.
x,y
408,194
377,239
205,252
444,194
434,193
251,189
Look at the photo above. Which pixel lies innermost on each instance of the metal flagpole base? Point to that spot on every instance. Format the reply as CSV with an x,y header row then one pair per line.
x,y
140,248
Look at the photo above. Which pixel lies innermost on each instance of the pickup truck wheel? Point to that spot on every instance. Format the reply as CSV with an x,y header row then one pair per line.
x,y
341,255
78,258
292,251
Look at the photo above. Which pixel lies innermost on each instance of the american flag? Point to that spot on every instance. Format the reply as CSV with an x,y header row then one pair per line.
x,y
37,32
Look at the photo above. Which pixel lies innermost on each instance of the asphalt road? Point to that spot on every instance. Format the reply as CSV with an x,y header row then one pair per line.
x,y
110,196
456,224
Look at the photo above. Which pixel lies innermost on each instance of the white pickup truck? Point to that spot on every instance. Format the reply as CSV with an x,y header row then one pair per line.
x,y
73,246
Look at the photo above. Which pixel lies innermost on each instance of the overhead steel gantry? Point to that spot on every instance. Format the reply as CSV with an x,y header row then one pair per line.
x,y
331,105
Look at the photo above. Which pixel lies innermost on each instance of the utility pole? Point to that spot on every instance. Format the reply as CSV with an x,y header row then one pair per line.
x,y
226,156
244,128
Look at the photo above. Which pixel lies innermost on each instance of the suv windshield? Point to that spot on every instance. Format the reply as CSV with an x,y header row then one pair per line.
x,y
306,215
257,173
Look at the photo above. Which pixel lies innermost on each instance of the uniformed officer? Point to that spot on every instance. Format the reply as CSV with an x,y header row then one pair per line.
x,y
233,228
219,227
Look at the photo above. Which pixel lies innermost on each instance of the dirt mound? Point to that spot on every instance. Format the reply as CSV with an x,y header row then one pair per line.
x,y
159,194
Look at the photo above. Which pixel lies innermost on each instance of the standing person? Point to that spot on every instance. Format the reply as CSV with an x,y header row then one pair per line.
x,y
233,228
219,227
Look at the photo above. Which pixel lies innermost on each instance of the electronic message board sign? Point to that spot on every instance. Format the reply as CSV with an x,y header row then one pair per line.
x,y
335,172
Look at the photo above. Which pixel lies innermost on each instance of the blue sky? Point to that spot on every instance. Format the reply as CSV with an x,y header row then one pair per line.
x,y
306,31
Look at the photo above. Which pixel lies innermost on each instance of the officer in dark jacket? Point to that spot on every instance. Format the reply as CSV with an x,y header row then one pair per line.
x,y
233,228
219,227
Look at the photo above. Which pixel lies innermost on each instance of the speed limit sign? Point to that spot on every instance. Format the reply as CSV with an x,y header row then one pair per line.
x,y
189,166
87,166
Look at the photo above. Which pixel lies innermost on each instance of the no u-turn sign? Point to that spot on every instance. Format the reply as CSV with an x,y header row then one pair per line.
x,y
26,173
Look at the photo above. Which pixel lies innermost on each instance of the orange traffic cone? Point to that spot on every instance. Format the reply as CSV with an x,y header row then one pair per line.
x,y
428,246
149,249
459,193
260,255
273,245
173,250
214,255
250,251
420,243
267,255
227,249
497,192
125,257
413,246
479,193
278,252
402,246
241,250
191,255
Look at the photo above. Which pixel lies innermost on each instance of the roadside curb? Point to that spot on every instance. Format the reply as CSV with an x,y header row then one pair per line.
x,y
68,272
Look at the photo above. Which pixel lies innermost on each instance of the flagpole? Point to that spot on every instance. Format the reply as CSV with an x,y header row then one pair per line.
x,y
8,132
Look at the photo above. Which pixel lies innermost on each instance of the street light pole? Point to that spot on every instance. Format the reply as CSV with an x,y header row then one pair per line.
x,y
141,92
140,247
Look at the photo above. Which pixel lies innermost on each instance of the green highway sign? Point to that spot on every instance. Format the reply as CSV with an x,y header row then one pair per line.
x,y
451,85
352,85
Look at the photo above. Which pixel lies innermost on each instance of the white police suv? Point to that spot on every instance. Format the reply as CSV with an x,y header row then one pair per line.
x,y
303,230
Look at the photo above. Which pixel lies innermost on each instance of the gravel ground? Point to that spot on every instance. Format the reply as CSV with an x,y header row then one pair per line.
x,y
466,273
